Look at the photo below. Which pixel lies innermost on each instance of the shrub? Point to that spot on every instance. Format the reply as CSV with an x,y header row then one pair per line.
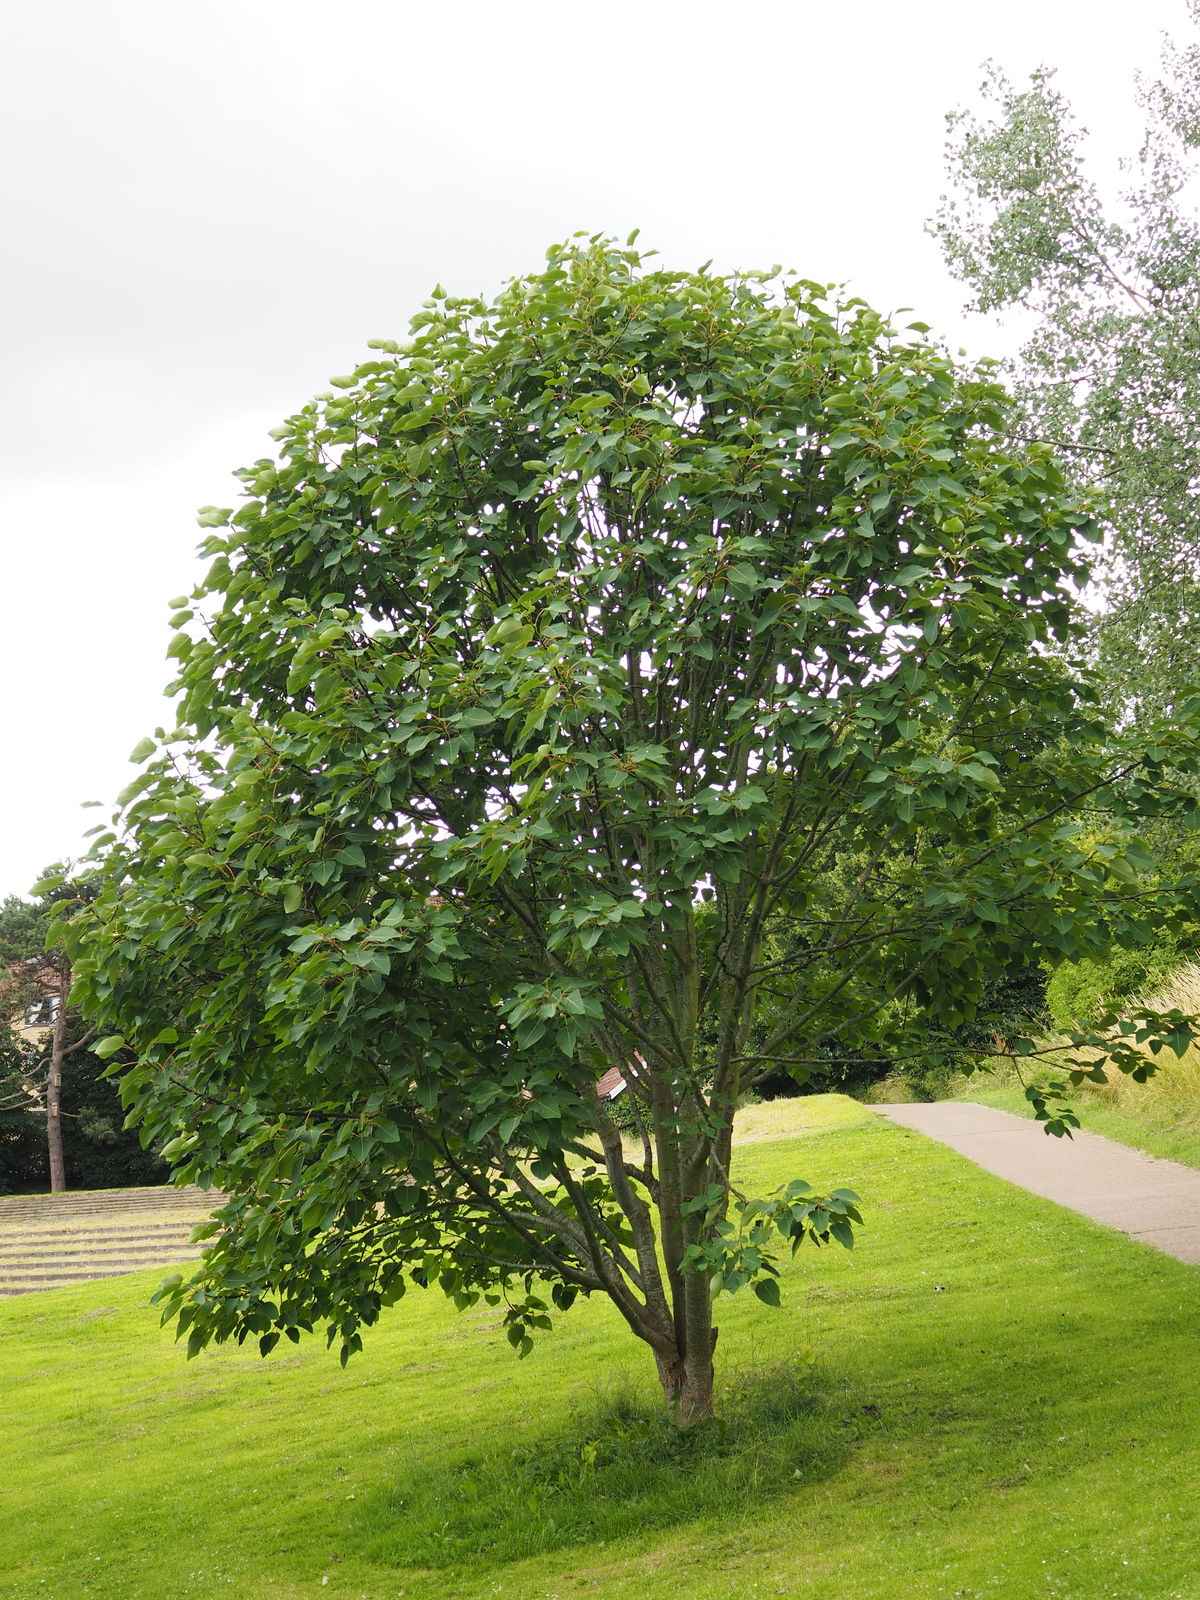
x,y
1080,992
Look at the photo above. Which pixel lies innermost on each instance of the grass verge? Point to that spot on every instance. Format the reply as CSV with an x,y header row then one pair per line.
x,y
1160,1116
990,1397
1152,1125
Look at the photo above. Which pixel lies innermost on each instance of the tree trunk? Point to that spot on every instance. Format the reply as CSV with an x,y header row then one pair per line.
x,y
688,1387
54,1138
687,1377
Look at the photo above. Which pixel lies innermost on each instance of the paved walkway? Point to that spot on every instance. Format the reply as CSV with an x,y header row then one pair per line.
x,y
1155,1201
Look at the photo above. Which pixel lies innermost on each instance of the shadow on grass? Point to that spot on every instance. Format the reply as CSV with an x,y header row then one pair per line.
x,y
619,1468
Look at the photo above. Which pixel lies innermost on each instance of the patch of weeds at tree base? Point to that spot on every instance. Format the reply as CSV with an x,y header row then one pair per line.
x,y
621,1468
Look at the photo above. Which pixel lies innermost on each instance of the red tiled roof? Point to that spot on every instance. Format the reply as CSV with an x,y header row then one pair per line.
x,y
611,1084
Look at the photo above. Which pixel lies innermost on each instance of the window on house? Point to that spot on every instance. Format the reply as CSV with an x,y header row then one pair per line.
x,y
40,1013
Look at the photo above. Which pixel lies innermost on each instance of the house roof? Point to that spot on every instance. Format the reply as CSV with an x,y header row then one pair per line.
x,y
611,1084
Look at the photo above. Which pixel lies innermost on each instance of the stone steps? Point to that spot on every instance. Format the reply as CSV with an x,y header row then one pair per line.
x,y
55,1242
99,1236
126,1250
58,1211
43,1271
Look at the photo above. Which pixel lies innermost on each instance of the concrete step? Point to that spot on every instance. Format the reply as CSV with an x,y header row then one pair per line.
x,y
21,1238
52,1275
56,1208
26,1282
132,1192
92,1202
123,1252
176,1217
152,1228
83,1252
74,1273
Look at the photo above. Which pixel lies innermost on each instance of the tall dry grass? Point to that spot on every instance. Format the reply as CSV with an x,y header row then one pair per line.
x,y
1170,1099
1173,1093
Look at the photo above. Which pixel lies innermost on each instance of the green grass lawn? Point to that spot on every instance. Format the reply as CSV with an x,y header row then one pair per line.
x,y
1151,1126
990,1397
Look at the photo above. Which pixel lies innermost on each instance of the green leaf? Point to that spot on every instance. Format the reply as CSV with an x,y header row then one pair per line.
x,y
744,575
767,1290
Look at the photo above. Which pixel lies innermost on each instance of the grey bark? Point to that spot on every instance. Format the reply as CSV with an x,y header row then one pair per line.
x,y
58,1042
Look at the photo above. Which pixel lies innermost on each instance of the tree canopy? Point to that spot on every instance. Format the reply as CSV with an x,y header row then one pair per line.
x,y
1110,371
558,655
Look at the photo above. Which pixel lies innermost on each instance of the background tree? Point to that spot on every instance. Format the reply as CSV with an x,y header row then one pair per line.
x,y
22,931
628,594
33,992
50,1080
1111,370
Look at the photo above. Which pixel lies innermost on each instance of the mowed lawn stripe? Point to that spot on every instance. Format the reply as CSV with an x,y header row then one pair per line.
x,y
990,1397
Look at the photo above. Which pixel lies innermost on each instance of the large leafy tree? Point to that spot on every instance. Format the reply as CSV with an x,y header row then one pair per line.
x,y
566,648
1109,278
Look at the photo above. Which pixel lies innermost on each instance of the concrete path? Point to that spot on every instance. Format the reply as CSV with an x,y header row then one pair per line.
x,y
1155,1201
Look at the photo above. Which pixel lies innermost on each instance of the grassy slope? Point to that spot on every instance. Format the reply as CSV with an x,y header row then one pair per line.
x,y
1152,1126
1003,1403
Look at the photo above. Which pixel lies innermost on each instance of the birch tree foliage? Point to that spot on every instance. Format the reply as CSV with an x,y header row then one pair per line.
x,y
558,652
1110,276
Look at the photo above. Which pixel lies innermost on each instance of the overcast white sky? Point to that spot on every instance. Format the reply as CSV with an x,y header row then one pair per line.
x,y
208,209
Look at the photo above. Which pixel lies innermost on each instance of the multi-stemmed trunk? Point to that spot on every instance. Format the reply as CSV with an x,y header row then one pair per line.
x,y
666,1303
687,1380
685,1118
